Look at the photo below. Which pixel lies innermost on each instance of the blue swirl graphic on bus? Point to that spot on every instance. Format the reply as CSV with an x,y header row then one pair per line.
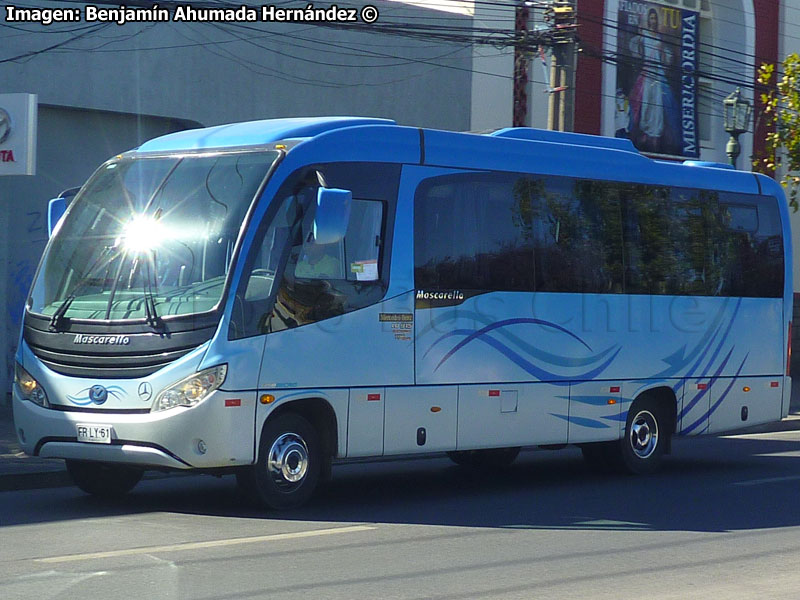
x,y
704,419
96,394
607,356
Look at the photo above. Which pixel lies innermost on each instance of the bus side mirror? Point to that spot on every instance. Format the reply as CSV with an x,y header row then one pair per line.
x,y
332,215
57,207
55,210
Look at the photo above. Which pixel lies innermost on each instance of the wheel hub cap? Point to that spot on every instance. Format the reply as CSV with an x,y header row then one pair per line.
x,y
288,460
644,434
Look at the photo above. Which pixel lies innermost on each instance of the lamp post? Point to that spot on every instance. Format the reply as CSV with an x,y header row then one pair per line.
x,y
736,118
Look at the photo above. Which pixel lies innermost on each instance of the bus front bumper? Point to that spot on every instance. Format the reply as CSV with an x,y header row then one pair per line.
x,y
208,435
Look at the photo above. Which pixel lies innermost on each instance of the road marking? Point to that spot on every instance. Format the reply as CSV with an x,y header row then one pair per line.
x,y
768,480
600,524
210,544
787,454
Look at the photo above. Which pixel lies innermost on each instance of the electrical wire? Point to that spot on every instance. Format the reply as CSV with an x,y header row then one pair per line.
x,y
461,37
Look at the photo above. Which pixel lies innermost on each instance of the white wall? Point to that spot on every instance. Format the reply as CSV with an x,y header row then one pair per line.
x,y
493,73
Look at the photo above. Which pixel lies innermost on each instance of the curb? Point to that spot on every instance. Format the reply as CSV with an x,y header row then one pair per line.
x,y
15,482
58,477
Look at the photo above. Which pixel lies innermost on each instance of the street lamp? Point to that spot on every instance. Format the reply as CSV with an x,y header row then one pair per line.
x,y
736,118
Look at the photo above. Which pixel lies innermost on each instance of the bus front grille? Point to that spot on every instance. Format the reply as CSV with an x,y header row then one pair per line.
x,y
106,367
112,351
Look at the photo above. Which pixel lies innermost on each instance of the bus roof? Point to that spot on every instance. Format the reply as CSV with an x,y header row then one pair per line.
x,y
257,133
507,149
253,133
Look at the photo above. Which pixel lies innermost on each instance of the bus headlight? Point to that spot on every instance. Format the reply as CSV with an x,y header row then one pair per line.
x,y
29,388
192,390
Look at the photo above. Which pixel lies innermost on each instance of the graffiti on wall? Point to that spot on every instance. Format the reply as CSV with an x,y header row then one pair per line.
x,y
20,277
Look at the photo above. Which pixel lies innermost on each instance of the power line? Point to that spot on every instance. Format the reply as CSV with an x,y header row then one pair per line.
x,y
459,36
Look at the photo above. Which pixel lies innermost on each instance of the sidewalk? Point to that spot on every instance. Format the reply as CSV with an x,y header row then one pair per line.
x,y
21,472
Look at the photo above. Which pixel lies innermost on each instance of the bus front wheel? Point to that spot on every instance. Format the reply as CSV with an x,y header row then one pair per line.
x,y
103,479
289,462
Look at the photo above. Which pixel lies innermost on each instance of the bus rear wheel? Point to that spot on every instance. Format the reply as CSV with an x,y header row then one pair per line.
x,y
103,479
494,457
289,463
642,448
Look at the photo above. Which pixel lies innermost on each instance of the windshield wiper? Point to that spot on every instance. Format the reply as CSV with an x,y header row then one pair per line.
x,y
148,296
55,320
58,315
151,314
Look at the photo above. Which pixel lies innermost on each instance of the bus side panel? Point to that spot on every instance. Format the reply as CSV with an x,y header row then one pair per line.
x,y
505,337
595,411
371,346
498,415
745,401
559,338
365,422
787,396
420,419
772,188
337,399
698,398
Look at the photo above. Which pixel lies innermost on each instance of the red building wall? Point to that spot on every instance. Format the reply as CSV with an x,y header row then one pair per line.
x,y
767,30
589,73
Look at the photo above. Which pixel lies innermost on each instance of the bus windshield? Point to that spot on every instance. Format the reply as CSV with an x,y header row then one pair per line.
x,y
149,237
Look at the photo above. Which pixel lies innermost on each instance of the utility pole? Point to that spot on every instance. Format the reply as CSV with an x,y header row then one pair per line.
x,y
560,35
521,62
562,18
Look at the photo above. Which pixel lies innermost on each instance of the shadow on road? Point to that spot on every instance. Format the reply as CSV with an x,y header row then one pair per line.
x,y
709,484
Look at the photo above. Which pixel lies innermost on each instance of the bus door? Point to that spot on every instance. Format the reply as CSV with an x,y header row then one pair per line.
x,y
332,328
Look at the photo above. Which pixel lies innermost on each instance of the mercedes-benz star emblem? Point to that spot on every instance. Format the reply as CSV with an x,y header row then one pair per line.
x,y
5,125
145,391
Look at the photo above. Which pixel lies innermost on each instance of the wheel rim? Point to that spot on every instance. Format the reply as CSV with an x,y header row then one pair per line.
x,y
288,461
644,434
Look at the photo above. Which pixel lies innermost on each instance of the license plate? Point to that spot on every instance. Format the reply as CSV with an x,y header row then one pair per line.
x,y
95,434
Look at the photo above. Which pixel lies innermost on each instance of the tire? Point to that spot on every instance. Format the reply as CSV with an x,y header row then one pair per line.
x,y
107,480
642,448
290,463
495,457
245,482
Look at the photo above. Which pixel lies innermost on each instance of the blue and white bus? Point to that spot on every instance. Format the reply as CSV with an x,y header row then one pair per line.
x,y
264,298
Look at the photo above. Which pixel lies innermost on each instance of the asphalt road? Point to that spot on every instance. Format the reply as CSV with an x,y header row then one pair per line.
x,y
721,520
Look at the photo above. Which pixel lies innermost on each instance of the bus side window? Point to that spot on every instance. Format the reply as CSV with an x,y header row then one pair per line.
x,y
753,248
321,281
252,301
288,280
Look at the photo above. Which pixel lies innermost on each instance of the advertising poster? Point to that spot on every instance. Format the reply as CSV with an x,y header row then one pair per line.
x,y
656,95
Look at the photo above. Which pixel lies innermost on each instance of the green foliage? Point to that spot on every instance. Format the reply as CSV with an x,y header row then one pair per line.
x,y
781,109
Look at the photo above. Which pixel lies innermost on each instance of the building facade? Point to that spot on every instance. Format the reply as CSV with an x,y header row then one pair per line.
x,y
105,88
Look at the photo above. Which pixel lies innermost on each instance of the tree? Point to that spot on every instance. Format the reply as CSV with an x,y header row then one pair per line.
x,y
781,109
